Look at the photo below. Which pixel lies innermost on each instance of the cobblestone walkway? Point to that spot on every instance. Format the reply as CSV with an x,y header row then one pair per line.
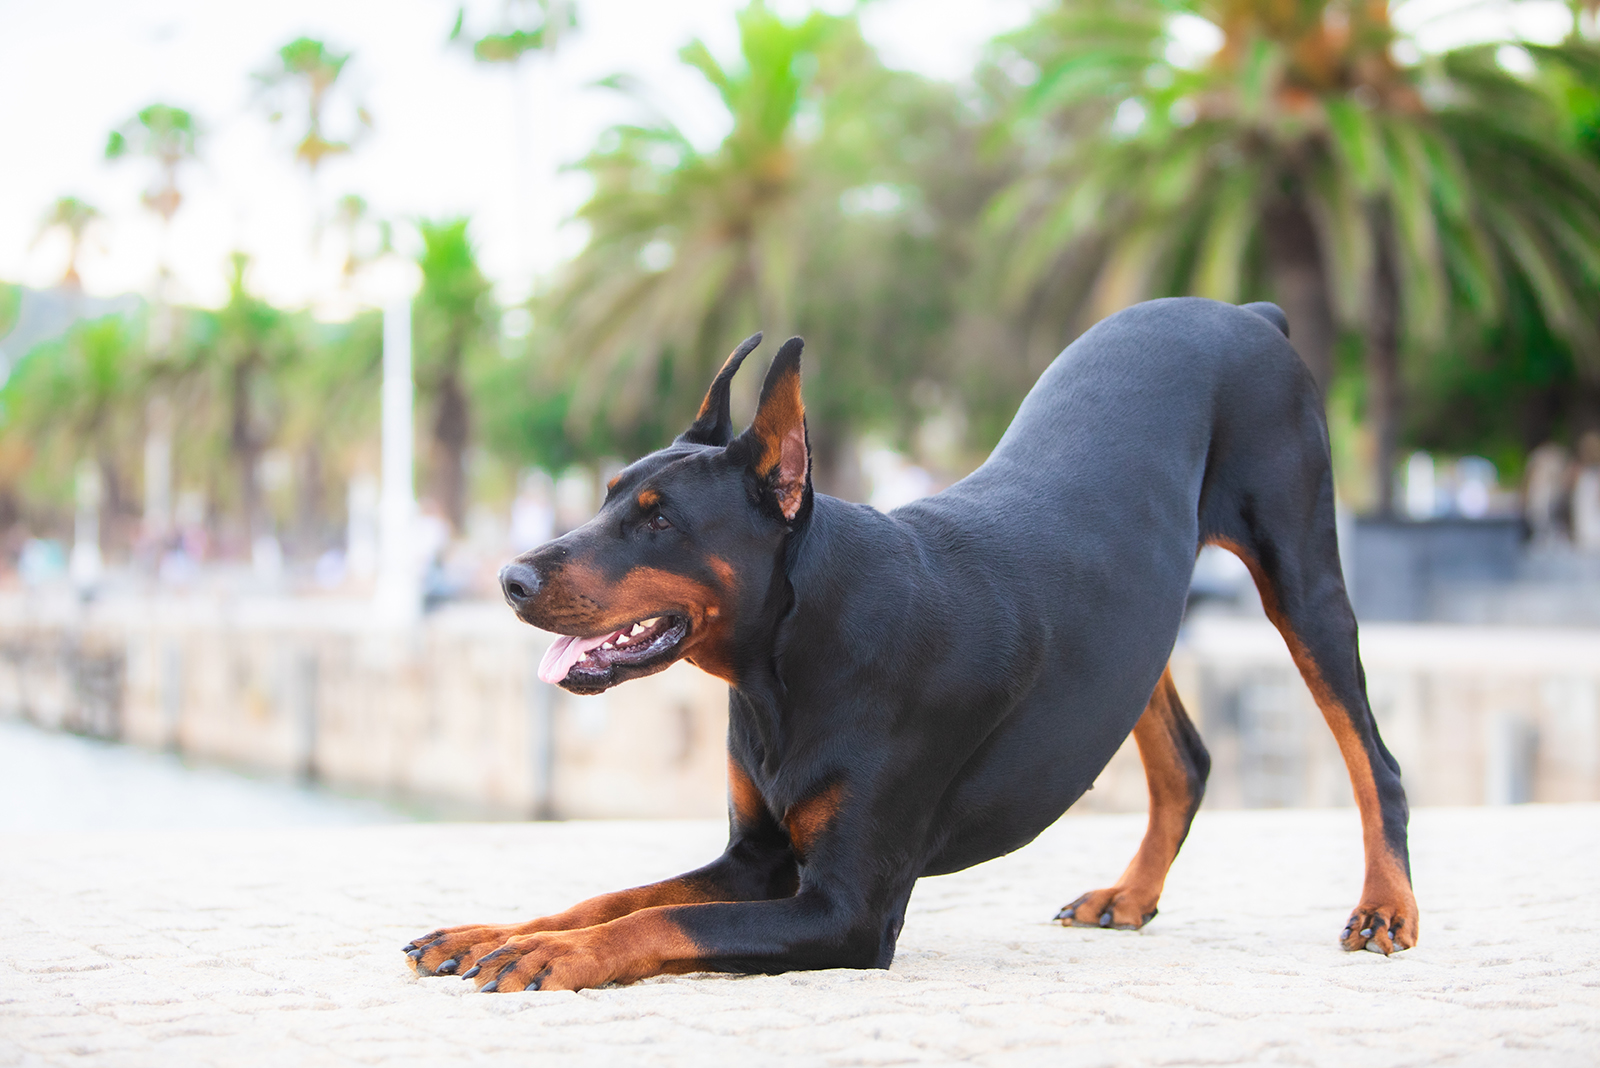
x,y
283,948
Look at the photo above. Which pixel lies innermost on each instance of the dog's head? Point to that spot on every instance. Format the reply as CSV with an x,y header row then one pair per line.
x,y
684,559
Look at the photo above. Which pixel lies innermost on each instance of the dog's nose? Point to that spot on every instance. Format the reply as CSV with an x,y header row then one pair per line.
x,y
520,583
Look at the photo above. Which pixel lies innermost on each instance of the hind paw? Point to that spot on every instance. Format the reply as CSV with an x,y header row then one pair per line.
x,y
1380,928
1120,908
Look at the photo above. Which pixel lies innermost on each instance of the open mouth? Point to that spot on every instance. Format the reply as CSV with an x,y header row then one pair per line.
x,y
589,665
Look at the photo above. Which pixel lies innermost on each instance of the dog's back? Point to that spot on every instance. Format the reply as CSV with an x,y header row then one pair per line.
x,y
1084,525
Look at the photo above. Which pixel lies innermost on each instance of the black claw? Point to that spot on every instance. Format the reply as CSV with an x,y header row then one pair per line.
x,y
1105,918
490,987
470,972
415,954
1366,932
447,968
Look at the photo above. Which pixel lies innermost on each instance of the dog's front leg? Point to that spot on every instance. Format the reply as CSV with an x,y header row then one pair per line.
x,y
753,868
813,929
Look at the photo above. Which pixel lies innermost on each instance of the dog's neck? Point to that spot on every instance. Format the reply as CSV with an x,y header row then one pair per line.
x,y
846,571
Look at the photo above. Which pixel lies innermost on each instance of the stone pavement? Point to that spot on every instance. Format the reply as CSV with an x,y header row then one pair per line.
x,y
282,947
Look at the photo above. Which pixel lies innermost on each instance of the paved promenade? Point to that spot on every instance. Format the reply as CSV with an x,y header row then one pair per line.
x,y
282,947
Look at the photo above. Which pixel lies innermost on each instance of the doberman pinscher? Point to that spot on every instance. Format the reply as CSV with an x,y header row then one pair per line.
x,y
914,693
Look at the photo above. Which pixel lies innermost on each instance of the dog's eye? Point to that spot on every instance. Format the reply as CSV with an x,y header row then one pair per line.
x,y
659,522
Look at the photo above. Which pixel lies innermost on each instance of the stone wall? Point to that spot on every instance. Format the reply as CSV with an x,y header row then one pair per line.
x,y
451,711
1475,715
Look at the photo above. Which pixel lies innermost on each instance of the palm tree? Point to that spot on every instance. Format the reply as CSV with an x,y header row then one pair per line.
x,y
73,217
526,29
251,343
330,419
366,238
1572,76
1301,161
78,397
169,137
688,248
309,68
453,320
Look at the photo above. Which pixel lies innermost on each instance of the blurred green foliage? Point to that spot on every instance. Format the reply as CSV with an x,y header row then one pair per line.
x,y
526,27
454,323
71,399
307,68
169,137
1431,226
1300,163
74,218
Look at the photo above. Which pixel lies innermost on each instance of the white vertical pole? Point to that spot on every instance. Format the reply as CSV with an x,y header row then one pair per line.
x,y
398,597
158,471
85,564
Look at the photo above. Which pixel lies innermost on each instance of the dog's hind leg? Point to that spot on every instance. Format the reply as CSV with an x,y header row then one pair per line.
x,y
1291,548
1175,768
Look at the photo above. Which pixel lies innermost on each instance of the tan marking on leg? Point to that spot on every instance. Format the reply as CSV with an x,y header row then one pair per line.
x,y
806,820
469,944
634,947
1386,889
1132,900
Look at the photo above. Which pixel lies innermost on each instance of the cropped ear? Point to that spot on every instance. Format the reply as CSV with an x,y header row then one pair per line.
x,y
713,425
777,451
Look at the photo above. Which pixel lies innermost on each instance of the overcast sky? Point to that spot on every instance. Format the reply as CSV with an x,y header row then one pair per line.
x,y
443,139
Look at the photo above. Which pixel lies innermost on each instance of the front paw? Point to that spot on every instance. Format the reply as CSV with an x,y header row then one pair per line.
x,y
454,950
1120,908
554,960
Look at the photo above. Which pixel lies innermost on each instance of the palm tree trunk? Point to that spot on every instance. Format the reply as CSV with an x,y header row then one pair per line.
x,y
835,463
309,503
246,450
1383,361
1586,404
451,426
1300,283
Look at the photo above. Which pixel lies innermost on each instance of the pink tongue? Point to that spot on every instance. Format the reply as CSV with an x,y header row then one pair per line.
x,y
564,652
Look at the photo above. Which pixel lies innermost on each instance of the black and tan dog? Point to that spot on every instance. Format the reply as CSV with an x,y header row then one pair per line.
x,y
916,692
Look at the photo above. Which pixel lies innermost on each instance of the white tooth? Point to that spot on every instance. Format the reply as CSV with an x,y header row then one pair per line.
x,y
582,658
622,640
605,645
652,621
638,628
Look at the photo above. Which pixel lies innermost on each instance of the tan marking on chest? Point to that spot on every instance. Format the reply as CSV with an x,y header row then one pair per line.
x,y
807,820
743,797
